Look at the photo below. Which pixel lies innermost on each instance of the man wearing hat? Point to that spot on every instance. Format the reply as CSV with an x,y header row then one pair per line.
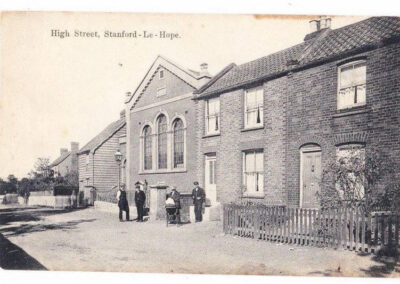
x,y
140,198
199,197
122,203
176,196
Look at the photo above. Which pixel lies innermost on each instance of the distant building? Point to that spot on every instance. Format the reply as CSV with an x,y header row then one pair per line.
x,y
97,166
66,162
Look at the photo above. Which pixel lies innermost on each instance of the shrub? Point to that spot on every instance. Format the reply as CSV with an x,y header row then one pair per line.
x,y
64,190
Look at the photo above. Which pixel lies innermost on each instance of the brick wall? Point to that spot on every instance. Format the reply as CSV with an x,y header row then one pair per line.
x,y
313,116
301,108
145,112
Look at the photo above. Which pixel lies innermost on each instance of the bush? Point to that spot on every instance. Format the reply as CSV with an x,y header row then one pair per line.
x,y
64,190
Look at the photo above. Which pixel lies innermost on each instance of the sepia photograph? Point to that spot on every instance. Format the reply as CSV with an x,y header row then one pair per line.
x,y
189,143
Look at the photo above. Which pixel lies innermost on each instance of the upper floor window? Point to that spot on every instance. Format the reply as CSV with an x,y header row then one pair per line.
x,y
179,143
352,85
253,173
147,149
253,107
212,116
162,141
161,74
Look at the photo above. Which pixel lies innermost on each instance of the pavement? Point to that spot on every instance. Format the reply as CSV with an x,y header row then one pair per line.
x,y
42,238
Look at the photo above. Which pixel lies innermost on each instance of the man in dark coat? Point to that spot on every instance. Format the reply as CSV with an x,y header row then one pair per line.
x,y
122,203
176,196
199,197
140,199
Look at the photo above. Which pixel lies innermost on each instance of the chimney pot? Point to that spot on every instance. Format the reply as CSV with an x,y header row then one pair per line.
x,y
314,26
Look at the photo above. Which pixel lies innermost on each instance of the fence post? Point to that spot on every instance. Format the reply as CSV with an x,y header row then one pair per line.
x,y
357,231
363,231
390,235
396,231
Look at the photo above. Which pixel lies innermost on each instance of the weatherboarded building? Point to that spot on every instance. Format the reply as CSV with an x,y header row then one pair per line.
x,y
98,169
267,128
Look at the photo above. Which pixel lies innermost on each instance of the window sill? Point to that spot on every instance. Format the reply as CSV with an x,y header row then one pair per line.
x,y
211,135
253,196
171,171
351,111
252,128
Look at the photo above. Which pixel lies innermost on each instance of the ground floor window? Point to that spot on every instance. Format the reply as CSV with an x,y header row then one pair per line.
x,y
253,173
350,161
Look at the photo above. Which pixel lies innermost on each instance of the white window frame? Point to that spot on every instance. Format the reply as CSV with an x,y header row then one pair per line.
x,y
259,108
173,144
207,117
252,193
340,105
143,148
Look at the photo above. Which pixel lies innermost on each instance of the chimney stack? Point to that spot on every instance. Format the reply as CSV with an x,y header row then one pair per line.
x,y
74,147
63,151
122,114
318,25
204,69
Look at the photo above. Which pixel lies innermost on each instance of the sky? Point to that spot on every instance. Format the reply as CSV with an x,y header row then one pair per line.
x,y
54,91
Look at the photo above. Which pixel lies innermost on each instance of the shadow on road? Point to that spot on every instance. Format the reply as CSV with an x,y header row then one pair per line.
x,y
385,266
15,221
13,257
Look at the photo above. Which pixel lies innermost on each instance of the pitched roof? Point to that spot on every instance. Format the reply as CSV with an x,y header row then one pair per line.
x,y
191,77
328,44
103,136
60,159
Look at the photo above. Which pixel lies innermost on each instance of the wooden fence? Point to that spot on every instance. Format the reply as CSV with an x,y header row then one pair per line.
x,y
337,228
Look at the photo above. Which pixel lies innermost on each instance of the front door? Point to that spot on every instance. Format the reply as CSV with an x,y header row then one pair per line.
x,y
210,181
310,176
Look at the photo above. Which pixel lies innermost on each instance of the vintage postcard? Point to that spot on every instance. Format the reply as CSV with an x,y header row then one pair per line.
x,y
199,143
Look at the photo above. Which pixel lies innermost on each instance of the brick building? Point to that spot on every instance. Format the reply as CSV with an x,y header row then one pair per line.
x,y
97,166
161,126
267,128
66,162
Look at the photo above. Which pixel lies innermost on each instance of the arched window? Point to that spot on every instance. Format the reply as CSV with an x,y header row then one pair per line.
x,y
147,148
162,141
179,143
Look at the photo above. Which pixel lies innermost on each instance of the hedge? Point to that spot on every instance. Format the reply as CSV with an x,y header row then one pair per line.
x,y
64,190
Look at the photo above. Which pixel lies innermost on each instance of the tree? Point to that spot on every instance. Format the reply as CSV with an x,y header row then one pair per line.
x,y
24,185
41,167
359,179
72,178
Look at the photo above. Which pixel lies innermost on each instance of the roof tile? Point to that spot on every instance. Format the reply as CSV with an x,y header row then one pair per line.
x,y
327,44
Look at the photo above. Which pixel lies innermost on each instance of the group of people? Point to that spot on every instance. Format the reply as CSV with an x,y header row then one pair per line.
x,y
198,196
140,199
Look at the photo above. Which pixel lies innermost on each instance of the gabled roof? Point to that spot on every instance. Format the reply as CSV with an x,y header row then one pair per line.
x,y
327,45
191,77
60,159
103,136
